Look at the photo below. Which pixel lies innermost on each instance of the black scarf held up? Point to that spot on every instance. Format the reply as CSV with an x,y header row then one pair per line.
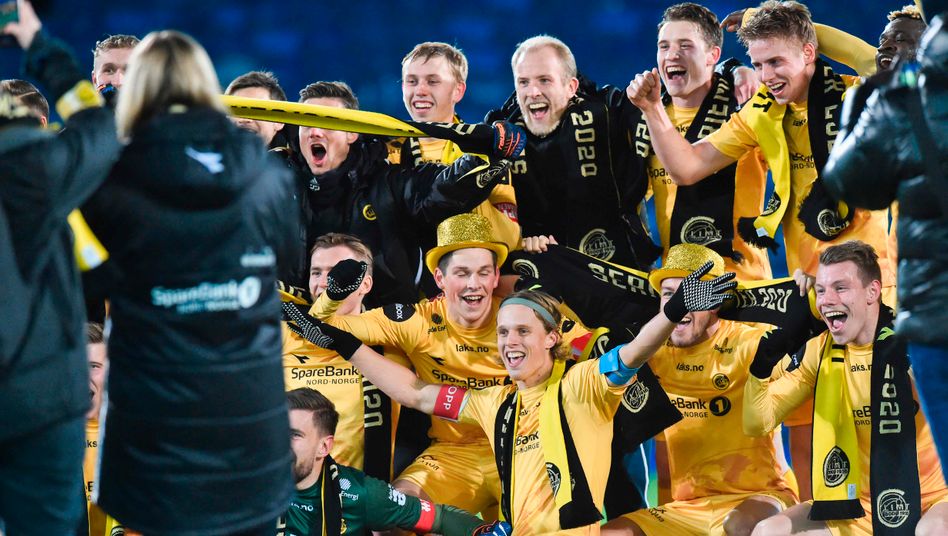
x,y
704,212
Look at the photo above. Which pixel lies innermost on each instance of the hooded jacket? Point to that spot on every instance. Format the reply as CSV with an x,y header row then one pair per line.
x,y
196,215
44,375
881,161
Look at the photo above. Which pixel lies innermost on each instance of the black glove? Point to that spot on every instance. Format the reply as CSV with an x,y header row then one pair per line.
x,y
509,140
345,278
319,333
697,295
109,93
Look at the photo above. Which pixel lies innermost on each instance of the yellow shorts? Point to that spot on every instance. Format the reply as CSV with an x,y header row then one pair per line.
x,y
863,525
462,475
704,516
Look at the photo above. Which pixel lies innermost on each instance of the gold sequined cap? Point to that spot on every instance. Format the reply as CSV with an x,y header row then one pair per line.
x,y
682,260
464,231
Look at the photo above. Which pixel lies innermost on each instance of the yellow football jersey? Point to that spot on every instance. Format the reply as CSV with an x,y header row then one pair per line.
x,y
589,403
440,352
736,138
773,400
706,383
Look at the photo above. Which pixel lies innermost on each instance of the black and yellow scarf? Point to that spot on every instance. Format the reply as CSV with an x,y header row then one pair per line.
x,y
563,466
822,216
704,212
605,294
893,478
328,521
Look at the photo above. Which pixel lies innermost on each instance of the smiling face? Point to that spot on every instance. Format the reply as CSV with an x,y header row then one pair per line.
x,y
695,327
685,59
524,345
849,306
98,362
785,66
468,280
325,150
430,89
265,129
108,67
899,38
543,90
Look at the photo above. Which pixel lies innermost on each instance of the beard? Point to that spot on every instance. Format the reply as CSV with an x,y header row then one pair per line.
x,y
301,469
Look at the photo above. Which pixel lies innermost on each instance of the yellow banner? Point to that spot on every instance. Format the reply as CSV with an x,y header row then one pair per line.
x,y
314,115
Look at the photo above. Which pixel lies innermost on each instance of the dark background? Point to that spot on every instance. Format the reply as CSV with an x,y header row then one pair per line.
x,y
362,42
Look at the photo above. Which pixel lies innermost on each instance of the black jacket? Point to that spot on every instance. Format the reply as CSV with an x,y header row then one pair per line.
x,y
391,208
583,182
196,214
881,161
44,375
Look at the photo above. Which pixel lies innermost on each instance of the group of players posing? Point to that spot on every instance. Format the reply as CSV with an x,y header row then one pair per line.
x,y
513,417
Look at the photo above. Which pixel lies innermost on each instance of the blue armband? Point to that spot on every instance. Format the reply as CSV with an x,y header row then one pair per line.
x,y
615,370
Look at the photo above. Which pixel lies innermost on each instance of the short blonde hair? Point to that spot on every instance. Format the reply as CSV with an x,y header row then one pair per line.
x,y
909,11
430,49
782,20
565,54
166,68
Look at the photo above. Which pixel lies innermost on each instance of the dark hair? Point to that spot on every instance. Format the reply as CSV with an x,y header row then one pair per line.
x,y
446,258
860,253
114,41
787,20
330,240
325,416
94,333
331,90
263,79
702,17
27,94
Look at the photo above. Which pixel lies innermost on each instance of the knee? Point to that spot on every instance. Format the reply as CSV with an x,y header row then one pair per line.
x,y
737,523
778,525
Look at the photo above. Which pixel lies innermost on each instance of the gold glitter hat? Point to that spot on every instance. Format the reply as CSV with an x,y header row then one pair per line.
x,y
682,260
464,231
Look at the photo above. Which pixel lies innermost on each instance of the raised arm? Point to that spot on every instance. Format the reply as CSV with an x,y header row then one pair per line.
x,y
847,49
685,163
622,362
398,382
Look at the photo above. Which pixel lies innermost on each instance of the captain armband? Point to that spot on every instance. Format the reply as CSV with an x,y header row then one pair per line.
x,y
449,402
426,519
615,370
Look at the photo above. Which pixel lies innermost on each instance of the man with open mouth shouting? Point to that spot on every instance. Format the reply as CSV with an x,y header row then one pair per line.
x,y
352,189
550,430
873,451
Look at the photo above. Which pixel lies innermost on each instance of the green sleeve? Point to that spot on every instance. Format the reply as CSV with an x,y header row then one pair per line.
x,y
388,508
451,521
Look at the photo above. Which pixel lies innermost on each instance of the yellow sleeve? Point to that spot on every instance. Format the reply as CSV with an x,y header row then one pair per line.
x,y
768,402
584,383
847,49
734,138
480,407
372,327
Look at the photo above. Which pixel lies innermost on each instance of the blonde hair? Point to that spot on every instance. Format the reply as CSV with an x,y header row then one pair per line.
x,y
430,49
909,11
783,20
562,51
166,68
552,306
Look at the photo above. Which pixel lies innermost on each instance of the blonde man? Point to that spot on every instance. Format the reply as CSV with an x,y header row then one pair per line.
x,y
434,80
799,99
